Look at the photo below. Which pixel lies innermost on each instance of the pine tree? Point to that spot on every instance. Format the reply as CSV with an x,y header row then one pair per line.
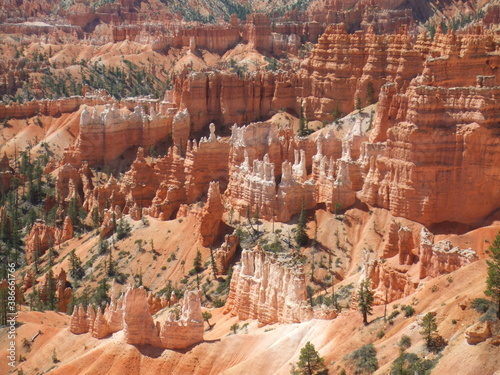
x,y
365,299
370,93
111,264
212,260
429,327
96,219
3,306
303,128
101,297
76,270
197,262
300,234
309,361
358,103
207,315
123,229
51,291
493,278
73,212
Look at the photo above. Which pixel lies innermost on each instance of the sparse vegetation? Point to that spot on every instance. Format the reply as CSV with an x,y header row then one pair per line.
x,y
493,279
310,362
434,342
234,328
409,310
300,235
364,360
411,364
123,229
365,299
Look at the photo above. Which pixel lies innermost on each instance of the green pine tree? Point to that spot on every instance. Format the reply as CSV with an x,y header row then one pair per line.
x,y
365,299
76,270
310,362
197,262
300,234
493,278
51,291
429,327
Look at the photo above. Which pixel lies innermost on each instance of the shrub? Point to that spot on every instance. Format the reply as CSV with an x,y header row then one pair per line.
x,y
393,314
54,356
404,343
436,343
123,229
410,363
409,310
364,359
235,327
380,334
219,302
491,314
481,305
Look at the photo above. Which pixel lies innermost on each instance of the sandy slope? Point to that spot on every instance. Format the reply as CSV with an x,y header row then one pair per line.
x,y
270,350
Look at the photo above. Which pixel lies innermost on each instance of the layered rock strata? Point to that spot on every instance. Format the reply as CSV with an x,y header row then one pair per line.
x,y
131,313
105,136
264,289
210,218
224,254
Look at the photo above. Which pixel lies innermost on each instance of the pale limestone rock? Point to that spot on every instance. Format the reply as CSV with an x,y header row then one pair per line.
x,y
478,332
264,289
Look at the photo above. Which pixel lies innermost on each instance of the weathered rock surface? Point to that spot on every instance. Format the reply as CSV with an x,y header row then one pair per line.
x,y
106,135
138,325
188,330
224,255
39,240
63,291
478,332
442,257
131,313
263,289
211,215
427,168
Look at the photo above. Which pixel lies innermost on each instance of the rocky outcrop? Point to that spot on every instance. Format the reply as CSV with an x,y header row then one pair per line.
x,y
224,255
79,323
131,313
344,67
478,333
205,162
105,136
49,107
138,325
188,329
39,240
436,133
156,303
224,98
263,288
442,257
390,283
42,237
6,174
181,128
63,291
69,185
210,216
258,32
